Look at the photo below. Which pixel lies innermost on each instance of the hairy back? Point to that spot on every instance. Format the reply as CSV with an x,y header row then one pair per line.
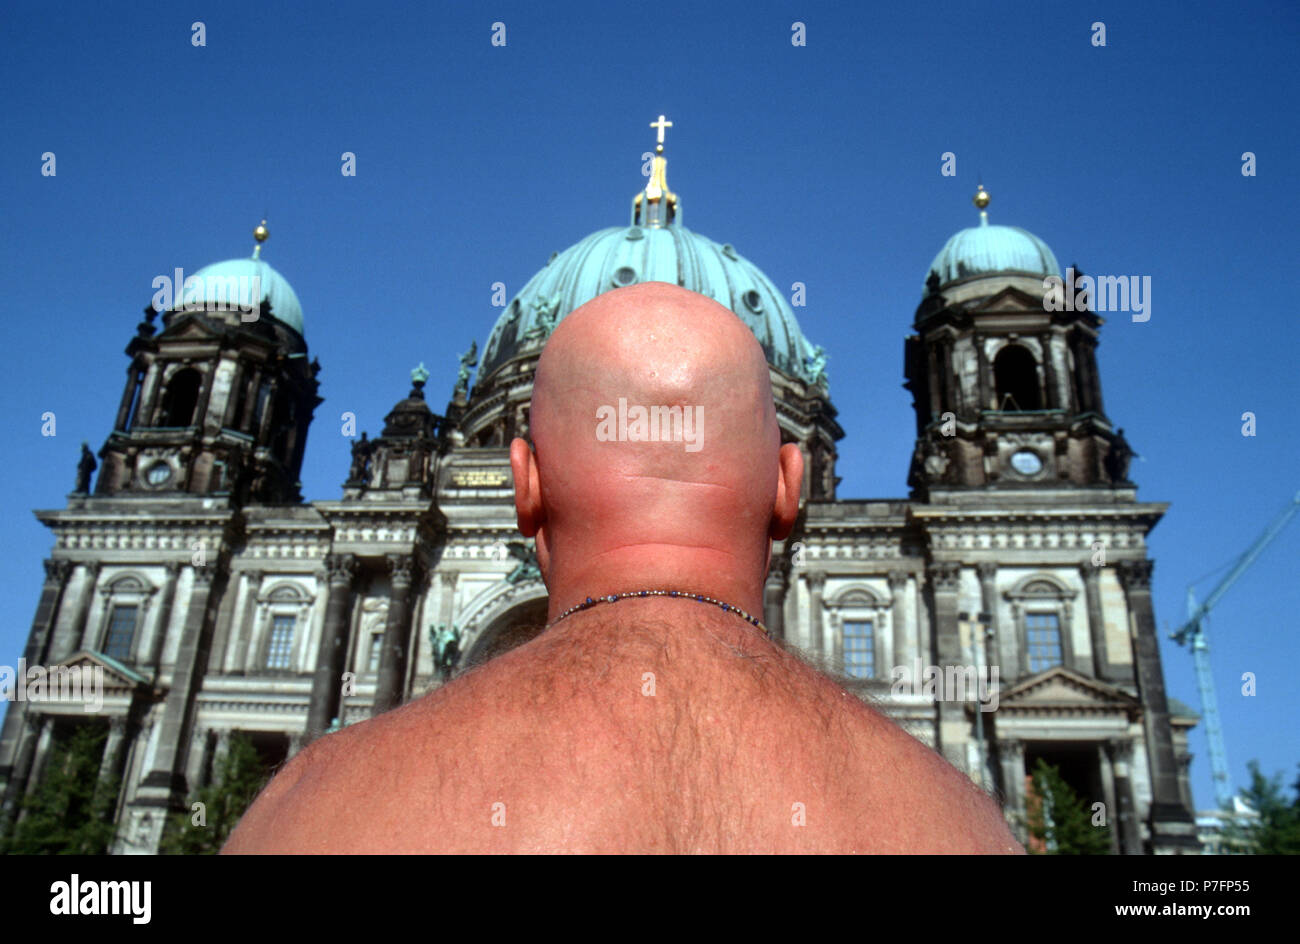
x,y
613,734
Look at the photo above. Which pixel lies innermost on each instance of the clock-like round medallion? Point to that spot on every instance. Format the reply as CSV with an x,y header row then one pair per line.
x,y
158,473
1026,462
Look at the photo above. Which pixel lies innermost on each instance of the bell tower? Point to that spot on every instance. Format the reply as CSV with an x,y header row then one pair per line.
x,y
1006,391
218,402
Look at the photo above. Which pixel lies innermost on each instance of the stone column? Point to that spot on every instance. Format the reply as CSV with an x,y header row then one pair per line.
x,y
1130,839
1101,665
816,580
220,750
235,661
29,733
195,756
128,394
774,599
1172,824
1109,796
111,764
42,753
69,637
164,616
988,573
264,421
165,785
38,643
982,378
1011,754
57,573
904,650
392,662
254,382
1051,395
954,731
326,684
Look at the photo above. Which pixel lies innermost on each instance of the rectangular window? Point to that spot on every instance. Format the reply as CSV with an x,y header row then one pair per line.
x,y
376,650
1044,632
859,649
280,646
121,632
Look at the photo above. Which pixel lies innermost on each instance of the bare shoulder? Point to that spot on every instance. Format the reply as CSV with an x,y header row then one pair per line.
x,y
285,817
906,798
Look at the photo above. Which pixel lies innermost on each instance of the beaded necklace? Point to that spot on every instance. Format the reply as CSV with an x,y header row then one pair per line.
x,y
680,594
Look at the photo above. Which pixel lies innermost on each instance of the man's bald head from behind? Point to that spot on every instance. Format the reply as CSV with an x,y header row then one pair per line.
x,y
657,460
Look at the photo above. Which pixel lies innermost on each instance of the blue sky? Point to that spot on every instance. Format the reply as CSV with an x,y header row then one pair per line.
x,y
820,164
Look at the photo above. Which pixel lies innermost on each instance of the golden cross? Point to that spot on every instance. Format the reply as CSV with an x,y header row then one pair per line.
x,y
661,125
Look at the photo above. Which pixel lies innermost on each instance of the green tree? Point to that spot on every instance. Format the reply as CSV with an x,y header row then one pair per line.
x,y
1059,820
1277,831
71,811
215,809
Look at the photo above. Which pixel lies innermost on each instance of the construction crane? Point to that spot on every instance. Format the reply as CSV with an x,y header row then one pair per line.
x,y
1193,632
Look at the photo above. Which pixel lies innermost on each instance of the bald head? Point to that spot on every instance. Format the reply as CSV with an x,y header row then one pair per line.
x,y
657,451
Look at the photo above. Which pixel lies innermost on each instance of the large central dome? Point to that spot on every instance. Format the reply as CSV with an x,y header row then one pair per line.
x,y
653,247
624,255
656,247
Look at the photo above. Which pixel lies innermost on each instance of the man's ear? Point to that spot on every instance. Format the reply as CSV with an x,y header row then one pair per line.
x,y
528,488
788,484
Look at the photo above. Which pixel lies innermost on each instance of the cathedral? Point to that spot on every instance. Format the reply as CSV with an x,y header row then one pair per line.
x,y
216,600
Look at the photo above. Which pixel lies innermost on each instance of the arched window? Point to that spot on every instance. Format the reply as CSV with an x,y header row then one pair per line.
x,y
181,397
1043,636
859,649
1015,375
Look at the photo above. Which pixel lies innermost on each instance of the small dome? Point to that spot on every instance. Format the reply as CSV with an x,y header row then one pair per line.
x,y
217,287
625,255
992,250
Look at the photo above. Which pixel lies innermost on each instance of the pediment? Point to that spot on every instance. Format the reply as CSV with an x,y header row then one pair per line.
x,y
191,326
117,677
1011,299
1059,688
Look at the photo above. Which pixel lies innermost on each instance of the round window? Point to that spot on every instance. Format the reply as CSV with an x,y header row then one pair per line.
x,y
158,473
625,275
1026,462
753,301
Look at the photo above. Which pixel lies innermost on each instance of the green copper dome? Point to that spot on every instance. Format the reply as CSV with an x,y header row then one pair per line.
x,y
987,250
624,255
216,285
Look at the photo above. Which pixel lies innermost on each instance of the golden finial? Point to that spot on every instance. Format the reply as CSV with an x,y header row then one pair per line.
x,y
260,234
656,205
661,124
981,197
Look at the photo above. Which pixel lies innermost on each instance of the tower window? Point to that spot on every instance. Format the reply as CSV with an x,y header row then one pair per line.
x,y
121,632
376,650
1044,635
280,647
859,649
1015,374
181,397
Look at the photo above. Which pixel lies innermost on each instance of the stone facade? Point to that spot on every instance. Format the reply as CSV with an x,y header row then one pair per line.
x,y
217,601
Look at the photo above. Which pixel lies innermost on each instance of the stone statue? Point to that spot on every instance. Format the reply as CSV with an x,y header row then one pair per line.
x,y
467,360
85,467
362,451
1118,458
527,568
446,649
544,323
815,363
